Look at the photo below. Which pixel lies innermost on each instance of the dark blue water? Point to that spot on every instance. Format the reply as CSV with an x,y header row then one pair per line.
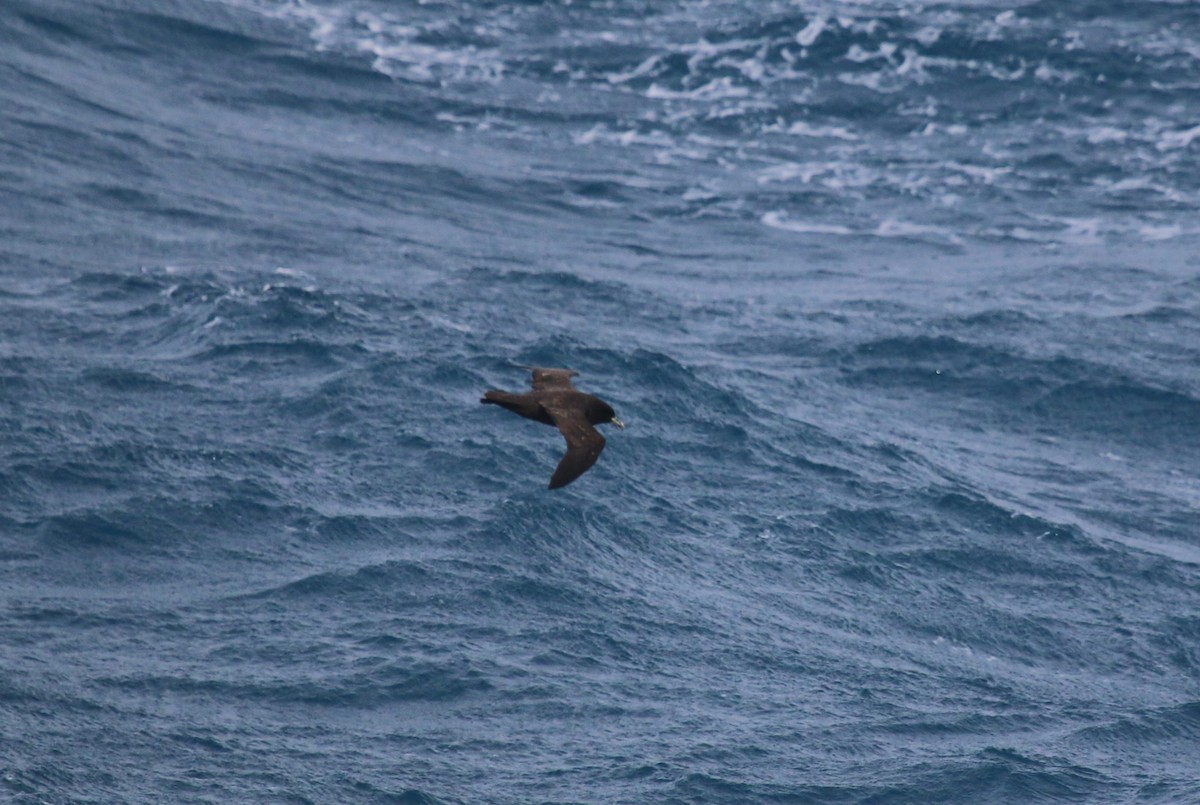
x,y
900,302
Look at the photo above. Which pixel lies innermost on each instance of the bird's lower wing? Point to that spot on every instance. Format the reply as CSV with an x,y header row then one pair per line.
x,y
584,444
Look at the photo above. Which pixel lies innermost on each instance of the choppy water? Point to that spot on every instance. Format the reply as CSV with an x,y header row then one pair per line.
x,y
900,301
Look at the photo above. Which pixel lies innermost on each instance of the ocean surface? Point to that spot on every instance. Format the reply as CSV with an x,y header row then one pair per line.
x,y
899,301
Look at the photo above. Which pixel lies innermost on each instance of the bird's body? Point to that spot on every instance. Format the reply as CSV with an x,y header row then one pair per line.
x,y
555,401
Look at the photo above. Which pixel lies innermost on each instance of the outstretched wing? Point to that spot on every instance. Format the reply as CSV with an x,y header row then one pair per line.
x,y
584,444
552,379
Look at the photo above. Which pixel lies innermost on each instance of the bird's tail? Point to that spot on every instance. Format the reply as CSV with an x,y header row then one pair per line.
x,y
505,399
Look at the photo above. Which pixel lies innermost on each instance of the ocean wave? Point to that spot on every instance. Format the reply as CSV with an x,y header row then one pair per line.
x,y
1155,738
113,529
375,683
897,301
1135,413
741,91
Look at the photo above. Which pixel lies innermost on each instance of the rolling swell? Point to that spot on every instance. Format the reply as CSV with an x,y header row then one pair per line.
x,y
899,304
374,543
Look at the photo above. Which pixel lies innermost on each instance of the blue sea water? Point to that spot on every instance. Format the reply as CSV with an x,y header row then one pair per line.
x,y
900,302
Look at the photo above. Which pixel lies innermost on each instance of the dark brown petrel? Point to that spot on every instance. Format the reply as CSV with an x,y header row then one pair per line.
x,y
554,401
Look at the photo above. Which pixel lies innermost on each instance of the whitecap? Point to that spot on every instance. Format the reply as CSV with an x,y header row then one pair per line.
x,y
716,89
811,32
1085,231
777,220
802,129
895,228
391,43
987,174
1054,75
1178,139
1024,234
859,55
700,194
642,69
805,172
791,170
602,134
1167,232
928,35
1131,184
1106,134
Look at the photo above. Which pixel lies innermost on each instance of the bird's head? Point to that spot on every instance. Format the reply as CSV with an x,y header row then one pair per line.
x,y
601,413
